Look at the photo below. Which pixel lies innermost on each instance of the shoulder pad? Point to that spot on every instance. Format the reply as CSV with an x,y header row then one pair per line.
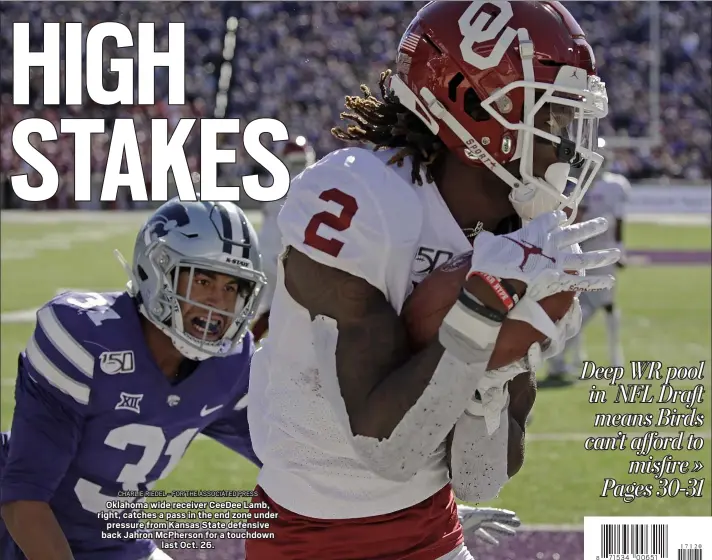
x,y
352,211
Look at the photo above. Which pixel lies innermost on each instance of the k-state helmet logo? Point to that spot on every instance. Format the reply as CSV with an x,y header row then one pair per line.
x,y
168,218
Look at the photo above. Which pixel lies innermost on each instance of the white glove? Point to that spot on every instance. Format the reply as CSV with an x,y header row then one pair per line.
x,y
488,522
567,328
492,387
539,254
491,397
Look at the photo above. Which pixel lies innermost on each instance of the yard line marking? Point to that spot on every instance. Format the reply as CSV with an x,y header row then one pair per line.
x,y
14,249
22,316
28,315
133,218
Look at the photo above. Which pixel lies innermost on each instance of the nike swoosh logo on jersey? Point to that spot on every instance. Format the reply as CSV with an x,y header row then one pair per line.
x,y
207,410
242,403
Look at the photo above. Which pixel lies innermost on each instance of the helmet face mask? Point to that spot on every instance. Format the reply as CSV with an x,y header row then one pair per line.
x,y
167,309
566,117
481,75
169,256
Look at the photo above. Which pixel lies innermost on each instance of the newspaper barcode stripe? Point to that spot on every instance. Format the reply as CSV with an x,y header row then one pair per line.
x,y
636,538
689,554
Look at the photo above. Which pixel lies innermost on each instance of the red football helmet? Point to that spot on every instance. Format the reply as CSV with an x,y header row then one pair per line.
x,y
297,155
491,78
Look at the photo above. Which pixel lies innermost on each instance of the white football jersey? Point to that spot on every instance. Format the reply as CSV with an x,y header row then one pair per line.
x,y
353,212
606,198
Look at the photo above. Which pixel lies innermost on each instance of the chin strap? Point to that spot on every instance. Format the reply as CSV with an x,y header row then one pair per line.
x,y
132,284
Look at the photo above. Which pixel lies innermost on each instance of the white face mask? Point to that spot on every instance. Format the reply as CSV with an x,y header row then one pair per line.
x,y
575,102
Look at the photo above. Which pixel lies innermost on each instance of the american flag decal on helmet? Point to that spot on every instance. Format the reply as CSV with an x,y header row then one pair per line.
x,y
409,44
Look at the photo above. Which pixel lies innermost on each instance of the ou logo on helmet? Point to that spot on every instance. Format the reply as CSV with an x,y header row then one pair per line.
x,y
485,27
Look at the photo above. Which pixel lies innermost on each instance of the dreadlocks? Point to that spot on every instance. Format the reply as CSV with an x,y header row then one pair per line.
x,y
388,124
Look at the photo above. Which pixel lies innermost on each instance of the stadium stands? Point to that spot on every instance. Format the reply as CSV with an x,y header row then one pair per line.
x,y
296,60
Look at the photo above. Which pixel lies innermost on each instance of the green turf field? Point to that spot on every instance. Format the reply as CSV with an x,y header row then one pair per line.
x,y
666,317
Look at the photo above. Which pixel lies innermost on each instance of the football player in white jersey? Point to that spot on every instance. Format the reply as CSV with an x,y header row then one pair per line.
x,y
476,132
487,524
607,197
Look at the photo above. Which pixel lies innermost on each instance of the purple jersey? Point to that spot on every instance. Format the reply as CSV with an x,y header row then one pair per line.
x,y
94,416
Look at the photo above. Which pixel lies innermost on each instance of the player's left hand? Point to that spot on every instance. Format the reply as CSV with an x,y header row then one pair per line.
x,y
489,524
566,328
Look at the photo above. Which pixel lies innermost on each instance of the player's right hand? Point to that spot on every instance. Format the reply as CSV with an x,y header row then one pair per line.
x,y
540,254
488,524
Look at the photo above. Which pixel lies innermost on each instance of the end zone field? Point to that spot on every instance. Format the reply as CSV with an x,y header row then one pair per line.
x,y
665,301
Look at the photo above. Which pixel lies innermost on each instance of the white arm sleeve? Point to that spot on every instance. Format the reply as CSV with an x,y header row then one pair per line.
x,y
423,428
479,461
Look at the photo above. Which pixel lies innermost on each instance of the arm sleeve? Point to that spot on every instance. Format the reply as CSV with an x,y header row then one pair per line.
x,y
352,212
478,461
410,446
51,398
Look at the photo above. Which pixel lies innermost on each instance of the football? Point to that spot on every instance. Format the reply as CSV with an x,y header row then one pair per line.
x,y
425,309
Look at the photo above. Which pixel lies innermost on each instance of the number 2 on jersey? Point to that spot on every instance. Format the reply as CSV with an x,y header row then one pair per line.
x,y
340,222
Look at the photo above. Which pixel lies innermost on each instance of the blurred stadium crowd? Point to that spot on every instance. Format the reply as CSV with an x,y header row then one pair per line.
x,y
295,61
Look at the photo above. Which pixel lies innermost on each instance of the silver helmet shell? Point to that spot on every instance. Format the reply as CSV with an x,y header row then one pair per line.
x,y
196,236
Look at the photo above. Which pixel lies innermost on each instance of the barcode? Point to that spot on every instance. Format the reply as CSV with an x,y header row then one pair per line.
x,y
648,537
634,539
